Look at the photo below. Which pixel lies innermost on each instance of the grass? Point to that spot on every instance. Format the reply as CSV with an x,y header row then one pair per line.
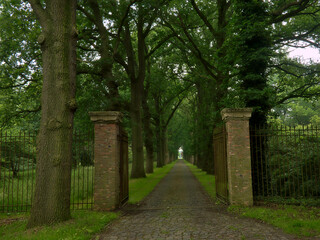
x,y
206,180
139,188
297,220
82,226
84,223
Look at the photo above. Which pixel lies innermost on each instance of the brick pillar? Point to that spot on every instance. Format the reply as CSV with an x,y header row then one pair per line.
x,y
238,155
106,159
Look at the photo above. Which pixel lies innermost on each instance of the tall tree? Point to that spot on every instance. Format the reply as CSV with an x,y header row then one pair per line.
x,y
138,50
54,156
253,53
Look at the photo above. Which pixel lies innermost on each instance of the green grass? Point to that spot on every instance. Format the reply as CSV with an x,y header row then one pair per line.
x,y
206,180
139,188
82,226
297,220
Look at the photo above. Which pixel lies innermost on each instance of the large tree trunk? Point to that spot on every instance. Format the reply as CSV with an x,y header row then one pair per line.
x,y
136,126
148,132
137,76
54,147
165,148
159,147
162,148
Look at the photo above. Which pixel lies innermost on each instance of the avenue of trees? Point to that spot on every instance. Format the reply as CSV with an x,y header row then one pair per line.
x,y
170,66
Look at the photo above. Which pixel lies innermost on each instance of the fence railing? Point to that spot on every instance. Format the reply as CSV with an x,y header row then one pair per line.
x,y
82,175
18,167
220,163
286,164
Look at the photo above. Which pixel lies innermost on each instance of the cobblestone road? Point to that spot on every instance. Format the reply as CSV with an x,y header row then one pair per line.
x,y
178,208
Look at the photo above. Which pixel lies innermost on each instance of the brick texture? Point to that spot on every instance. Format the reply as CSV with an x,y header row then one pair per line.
x,y
106,160
238,155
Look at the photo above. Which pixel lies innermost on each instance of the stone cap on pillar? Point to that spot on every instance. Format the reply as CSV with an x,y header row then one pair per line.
x,y
236,114
106,117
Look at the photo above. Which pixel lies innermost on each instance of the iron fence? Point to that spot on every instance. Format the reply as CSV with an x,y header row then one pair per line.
x,y
124,167
286,164
18,170
220,163
82,175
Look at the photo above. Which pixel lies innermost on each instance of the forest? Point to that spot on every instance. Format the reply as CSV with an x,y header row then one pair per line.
x,y
170,66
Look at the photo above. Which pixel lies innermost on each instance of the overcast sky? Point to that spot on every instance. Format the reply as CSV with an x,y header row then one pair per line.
x,y
305,54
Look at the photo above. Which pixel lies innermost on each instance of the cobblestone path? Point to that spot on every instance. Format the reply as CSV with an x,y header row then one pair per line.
x,y
178,208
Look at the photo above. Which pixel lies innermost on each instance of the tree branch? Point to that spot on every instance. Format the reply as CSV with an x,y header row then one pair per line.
x,y
197,52
122,22
172,112
164,40
278,16
24,112
204,19
40,12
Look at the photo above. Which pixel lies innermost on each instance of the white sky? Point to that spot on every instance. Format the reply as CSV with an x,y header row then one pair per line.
x,y
305,54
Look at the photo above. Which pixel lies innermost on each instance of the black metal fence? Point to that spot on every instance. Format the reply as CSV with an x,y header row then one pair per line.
x,y
17,171
220,163
82,175
124,167
286,164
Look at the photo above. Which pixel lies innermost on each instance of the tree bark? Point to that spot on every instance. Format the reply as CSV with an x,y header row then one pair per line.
x,y
54,144
147,130
159,145
136,126
166,151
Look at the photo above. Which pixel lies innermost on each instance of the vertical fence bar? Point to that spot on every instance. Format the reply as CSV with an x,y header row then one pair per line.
x,y
300,165
33,169
17,163
257,160
296,174
10,178
308,163
23,169
314,141
263,176
281,137
283,163
2,171
87,175
28,171
288,165
93,168
318,159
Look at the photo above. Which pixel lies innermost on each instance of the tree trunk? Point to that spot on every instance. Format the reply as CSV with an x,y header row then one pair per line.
x,y
166,151
54,144
136,126
159,147
137,76
148,137
162,148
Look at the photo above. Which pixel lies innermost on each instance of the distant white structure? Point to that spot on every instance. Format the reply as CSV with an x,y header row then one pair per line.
x,y
180,153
